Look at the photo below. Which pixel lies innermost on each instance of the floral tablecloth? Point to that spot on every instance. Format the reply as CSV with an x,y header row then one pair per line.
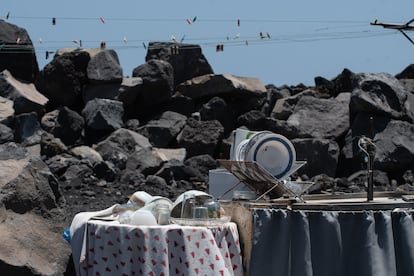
x,y
119,249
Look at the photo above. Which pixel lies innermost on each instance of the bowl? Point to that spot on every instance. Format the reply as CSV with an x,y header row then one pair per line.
x,y
143,217
178,203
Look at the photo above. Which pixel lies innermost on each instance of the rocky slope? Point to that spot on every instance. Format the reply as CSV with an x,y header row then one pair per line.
x,y
78,135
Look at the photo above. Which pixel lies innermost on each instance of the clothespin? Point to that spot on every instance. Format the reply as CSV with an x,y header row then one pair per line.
x,y
102,19
194,19
247,43
238,22
268,35
173,38
54,21
189,21
174,50
103,44
237,36
40,40
18,40
261,35
7,15
80,43
75,41
182,39
145,46
219,48
125,40
47,54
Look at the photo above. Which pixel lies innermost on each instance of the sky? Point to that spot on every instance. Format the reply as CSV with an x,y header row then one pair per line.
x,y
306,38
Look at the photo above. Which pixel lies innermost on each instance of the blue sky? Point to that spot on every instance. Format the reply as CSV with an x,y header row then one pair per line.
x,y
307,38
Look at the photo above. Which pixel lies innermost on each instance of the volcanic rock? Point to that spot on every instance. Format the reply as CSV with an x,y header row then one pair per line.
x,y
157,83
118,146
162,131
6,111
321,156
253,120
145,161
208,86
181,57
103,115
285,106
321,118
395,147
62,80
6,134
407,73
51,146
217,109
65,124
104,67
202,164
17,52
88,153
27,130
201,137
344,82
181,104
382,94
31,217
25,97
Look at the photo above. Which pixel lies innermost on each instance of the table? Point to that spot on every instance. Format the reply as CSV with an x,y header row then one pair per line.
x,y
111,248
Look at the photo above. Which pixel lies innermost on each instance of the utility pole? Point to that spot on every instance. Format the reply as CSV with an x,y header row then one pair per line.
x,y
399,27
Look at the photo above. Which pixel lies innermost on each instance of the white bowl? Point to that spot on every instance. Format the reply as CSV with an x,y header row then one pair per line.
x,y
143,217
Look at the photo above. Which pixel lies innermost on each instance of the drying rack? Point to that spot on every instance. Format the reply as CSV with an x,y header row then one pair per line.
x,y
257,178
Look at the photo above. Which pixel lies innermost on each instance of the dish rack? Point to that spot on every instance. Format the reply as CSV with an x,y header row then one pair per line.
x,y
257,178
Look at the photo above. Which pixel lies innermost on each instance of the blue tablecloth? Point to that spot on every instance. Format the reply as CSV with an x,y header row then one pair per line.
x,y
340,243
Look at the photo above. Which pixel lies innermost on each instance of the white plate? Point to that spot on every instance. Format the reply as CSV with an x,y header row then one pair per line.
x,y
241,150
273,152
252,143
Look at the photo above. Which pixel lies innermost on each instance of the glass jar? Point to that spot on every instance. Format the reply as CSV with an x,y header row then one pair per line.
x,y
213,207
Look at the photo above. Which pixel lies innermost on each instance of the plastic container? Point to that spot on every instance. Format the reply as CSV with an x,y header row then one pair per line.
x,y
163,214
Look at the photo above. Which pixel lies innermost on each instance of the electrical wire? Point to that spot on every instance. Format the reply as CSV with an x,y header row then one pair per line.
x,y
210,20
252,41
320,34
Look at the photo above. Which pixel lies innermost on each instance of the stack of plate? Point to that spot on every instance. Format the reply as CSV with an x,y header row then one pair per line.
x,y
274,152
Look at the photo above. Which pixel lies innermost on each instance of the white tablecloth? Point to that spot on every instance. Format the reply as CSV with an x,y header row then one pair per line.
x,y
118,249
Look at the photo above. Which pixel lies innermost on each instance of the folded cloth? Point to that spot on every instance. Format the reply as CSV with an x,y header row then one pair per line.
x,y
77,233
